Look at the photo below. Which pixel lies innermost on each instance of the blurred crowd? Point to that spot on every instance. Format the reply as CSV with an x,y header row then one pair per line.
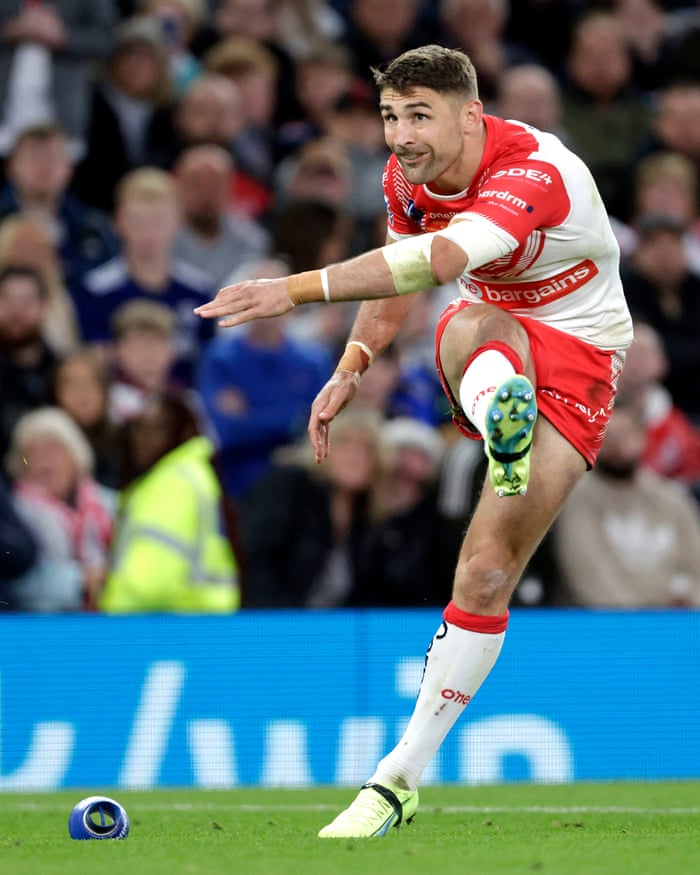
x,y
156,150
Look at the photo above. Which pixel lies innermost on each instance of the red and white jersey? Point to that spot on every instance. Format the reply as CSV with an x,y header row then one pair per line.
x,y
539,241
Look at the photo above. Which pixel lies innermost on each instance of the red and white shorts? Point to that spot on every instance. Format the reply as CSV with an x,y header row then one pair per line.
x,y
576,383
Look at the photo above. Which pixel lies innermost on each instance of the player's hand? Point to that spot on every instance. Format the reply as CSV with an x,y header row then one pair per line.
x,y
243,302
332,398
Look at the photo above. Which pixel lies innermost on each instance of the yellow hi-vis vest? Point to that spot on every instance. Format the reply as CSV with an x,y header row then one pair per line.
x,y
169,552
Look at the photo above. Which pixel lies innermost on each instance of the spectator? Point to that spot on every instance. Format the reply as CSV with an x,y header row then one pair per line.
x,y
665,183
305,527
408,557
80,385
662,290
238,381
672,439
26,243
71,517
131,113
478,27
170,554
46,55
211,113
321,79
675,120
214,237
530,93
378,30
606,117
653,46
18,548
309,233
39,171
180,22
26,360
253,70
259,20
305,26
147,218
532,23
627,537
142,356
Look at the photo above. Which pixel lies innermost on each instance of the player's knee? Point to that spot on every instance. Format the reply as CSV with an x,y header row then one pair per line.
x,y
486,581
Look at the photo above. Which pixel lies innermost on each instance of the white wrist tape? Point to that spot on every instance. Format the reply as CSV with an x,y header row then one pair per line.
x,y
409,263
324,285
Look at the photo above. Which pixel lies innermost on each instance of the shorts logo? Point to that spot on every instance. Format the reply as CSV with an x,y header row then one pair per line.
x,y
533,294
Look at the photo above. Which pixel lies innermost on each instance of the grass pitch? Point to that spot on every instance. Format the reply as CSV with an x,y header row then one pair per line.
x,y
579,829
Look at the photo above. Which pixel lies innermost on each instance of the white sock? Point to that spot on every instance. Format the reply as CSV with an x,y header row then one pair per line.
x,y
457,662
481,379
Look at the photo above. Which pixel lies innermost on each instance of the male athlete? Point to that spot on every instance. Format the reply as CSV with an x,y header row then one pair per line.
x,y
538,335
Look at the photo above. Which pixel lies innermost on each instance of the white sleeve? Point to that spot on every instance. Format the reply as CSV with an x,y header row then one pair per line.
x,y
481,240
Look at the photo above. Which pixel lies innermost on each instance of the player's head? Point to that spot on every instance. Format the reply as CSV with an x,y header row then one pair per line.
x,y
447,71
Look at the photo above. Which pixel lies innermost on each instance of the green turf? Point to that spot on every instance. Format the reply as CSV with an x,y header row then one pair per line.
x,y
596,829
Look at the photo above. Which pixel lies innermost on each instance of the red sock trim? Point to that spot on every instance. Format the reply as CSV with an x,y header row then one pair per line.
x,y
475,622
501,347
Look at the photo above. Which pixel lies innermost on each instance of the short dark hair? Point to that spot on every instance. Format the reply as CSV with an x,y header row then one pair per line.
x,y
432,66
13,271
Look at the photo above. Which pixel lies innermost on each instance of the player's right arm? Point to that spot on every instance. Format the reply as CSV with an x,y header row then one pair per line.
x,y
375,326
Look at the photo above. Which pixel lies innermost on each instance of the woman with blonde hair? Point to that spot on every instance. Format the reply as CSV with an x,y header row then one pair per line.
x,y
50,463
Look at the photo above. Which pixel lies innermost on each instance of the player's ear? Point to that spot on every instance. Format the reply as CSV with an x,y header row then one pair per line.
x,y
472,112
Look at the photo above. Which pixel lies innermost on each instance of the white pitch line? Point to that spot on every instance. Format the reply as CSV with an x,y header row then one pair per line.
x,y
429,809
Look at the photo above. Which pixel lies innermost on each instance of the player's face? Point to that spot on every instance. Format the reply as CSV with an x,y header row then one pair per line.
x,y
426,131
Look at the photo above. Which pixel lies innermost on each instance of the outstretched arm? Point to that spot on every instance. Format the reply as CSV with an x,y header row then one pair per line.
x,y
405,266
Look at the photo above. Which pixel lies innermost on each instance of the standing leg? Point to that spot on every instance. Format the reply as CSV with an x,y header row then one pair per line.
x,y
502,536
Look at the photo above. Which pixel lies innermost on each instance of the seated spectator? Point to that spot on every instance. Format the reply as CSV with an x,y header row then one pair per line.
x,y
321,78
18,548
672,439
142,356
530,93
25,243
257,386
180,22
662,290
675,120
304,26
211,112
310,233
478,27
147,218
47,52
26,360
665,183
259,20
170,553
406,563
304,526
213,237
131,113
70,515
378,30
253,70
606,116
627,537
39,171
80,385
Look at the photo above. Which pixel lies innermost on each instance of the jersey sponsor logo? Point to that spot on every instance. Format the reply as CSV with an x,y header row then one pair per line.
x,y
533,294
525,173
507,196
